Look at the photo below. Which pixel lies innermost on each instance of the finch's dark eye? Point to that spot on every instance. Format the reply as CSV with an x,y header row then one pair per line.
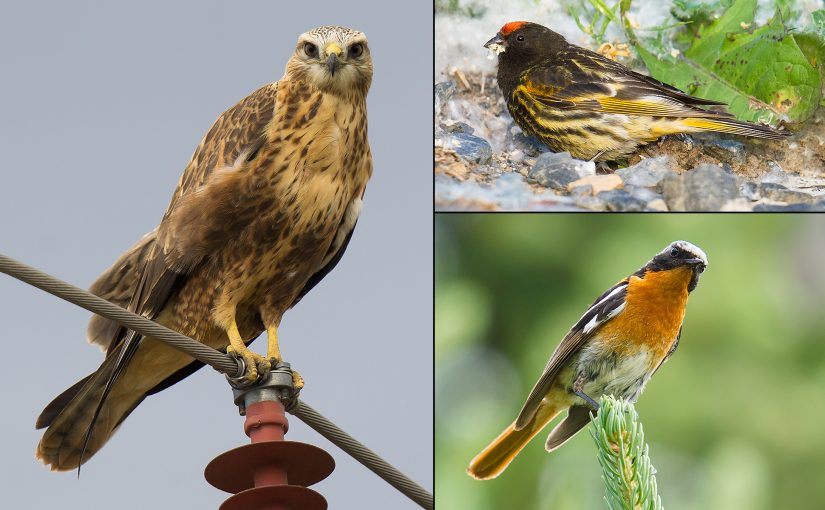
x,y
310,49
520,38
674,252
356,50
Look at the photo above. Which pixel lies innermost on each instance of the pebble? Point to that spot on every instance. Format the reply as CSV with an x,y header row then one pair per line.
x,y
560,169
647,173
644,194
749,190
556,178
443,92
457,127
705,188
780,193
591,203
776,174
657,205
621,200
814,207
469,147
599,183
582,191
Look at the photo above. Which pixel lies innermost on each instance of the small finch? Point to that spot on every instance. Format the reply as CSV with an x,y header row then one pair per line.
x,y
577,101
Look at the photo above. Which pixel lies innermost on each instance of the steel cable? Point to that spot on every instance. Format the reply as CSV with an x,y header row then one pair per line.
x,y
220,362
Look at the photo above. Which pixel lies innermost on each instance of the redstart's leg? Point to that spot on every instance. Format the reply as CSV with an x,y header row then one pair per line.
x,y
577,389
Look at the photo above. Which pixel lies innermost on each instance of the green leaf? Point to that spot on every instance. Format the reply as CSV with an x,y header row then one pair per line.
x,y
812,46
760,72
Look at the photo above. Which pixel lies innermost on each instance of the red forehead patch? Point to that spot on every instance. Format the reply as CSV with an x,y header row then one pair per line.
x,y
511,27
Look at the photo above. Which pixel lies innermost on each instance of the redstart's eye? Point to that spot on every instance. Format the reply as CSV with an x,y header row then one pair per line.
x,y
520,38
700,269
674,252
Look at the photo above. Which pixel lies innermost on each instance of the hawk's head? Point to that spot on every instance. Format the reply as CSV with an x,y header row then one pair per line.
x,y
333,59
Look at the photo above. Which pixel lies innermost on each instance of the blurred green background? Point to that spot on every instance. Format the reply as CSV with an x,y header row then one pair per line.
x,y
736,418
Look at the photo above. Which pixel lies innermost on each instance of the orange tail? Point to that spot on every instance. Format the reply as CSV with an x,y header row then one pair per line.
x,y
501,452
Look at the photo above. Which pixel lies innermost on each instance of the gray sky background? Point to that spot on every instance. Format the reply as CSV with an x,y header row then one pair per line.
x,y
102,105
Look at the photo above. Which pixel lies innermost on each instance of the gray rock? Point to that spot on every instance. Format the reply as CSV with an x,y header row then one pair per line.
x,y
776,174
648,173
813,207
555,178
591,203
469,147
457,127
644,194
443,91
705,188
780,193
621,200
550,161
584,190
749,190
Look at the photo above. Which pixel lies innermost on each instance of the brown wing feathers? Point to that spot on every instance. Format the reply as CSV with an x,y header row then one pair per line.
x,y
151,272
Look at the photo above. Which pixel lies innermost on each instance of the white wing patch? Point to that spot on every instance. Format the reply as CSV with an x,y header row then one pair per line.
x,y
604,310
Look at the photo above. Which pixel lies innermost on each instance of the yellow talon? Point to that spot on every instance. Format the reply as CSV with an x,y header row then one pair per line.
x,y
273,352
255,363
297,381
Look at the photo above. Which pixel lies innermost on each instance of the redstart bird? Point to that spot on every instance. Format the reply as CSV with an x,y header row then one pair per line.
x,y
577,101
614,349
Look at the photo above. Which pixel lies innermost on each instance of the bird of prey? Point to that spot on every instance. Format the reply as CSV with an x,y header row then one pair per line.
x,y
264,210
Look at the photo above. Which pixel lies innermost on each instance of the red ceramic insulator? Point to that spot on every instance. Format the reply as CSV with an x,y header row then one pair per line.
x,y
270,473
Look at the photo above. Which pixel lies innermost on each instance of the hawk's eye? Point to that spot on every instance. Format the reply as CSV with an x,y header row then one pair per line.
x,y
310,49
356,50
674,252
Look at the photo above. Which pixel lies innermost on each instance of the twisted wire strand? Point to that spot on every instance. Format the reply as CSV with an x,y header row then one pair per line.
x,y
363,455
220,362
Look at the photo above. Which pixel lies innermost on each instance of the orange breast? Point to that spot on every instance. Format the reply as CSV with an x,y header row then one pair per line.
x,y
653,315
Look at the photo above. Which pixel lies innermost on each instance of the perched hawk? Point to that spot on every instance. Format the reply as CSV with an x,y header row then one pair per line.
x,y
263,211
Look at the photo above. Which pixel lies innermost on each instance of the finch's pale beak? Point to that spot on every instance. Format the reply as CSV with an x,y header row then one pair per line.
x,y
496,44
333,60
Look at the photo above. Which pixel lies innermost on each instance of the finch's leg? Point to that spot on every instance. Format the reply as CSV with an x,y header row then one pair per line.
x,y
255,363
273,352
577,389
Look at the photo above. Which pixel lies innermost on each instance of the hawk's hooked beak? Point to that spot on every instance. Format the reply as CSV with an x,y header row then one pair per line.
x,y
496,44
334,51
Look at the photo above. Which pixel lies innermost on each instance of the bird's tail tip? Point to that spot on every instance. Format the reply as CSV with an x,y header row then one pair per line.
x,y
737,127
495,458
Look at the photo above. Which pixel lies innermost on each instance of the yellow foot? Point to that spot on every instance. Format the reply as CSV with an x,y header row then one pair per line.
x,y
255,363
297,381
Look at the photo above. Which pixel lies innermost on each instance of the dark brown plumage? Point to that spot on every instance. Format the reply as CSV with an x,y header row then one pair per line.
x,y
578,101
263,211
